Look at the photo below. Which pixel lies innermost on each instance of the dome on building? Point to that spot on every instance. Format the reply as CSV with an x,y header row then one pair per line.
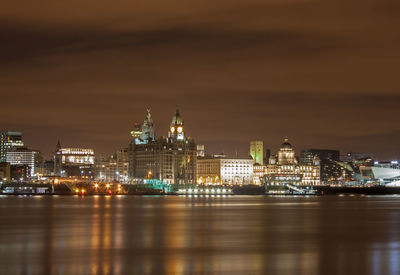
x,y
286,144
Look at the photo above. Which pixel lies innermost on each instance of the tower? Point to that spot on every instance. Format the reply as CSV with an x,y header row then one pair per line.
x,y
147,129
256,151
177,130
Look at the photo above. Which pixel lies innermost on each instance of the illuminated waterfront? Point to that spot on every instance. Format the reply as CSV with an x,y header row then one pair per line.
x,y
199,234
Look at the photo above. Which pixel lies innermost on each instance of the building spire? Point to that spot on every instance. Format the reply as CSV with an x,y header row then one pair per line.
x,y
58,146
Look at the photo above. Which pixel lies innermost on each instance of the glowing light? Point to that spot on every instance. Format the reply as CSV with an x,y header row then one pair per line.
x,y
96,185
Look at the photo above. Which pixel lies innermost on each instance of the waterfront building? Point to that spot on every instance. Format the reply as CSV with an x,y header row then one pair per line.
x,y
74,162
24,156
170,159
330,170
385,172
257,151
285,168
258,173
224,170
9,140
114,167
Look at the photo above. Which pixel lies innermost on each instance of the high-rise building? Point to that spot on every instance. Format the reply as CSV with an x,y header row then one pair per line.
x,y
9,140
330,170
224,170
171,159
74,162
257,151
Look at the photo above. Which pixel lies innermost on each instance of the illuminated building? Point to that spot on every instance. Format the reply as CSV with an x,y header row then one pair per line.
x,y
24,156
171,159
114,167
386,172
258,173
9,140
284,168
223,170
330,170
74,162
256,151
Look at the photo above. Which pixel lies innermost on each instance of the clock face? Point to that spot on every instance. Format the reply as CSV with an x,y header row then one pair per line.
x,y
180,129
172,129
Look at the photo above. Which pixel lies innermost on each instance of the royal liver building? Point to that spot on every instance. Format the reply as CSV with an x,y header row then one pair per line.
x,y
171,159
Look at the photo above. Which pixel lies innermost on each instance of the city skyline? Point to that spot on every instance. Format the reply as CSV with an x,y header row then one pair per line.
x,y
239,147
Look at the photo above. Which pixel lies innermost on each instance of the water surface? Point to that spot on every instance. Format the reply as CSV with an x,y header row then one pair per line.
x,y
198,235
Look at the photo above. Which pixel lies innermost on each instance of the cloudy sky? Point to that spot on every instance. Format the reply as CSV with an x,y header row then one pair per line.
x,y
324,73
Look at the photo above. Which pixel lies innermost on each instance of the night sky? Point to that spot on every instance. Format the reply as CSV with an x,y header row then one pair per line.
x,y
323,73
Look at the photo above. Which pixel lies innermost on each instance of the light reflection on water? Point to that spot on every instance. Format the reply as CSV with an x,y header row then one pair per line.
x,y
184,235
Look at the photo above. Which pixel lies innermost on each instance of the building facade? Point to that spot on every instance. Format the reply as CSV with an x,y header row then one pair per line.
x,y
331,172
9,140
223,170
114,167
284,168
25,156
74,162
171,159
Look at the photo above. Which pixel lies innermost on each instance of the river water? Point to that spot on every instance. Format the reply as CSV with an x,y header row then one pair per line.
x,y
200,235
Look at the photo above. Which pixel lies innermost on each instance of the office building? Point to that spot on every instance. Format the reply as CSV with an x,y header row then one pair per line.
x,y
74,162
331,171
9,140
224,170
114,167
24,156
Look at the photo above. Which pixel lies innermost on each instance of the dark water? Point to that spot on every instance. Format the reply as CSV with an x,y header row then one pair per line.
x,y
187,235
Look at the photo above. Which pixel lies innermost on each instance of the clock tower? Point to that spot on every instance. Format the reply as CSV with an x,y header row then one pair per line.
x,y
177,130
